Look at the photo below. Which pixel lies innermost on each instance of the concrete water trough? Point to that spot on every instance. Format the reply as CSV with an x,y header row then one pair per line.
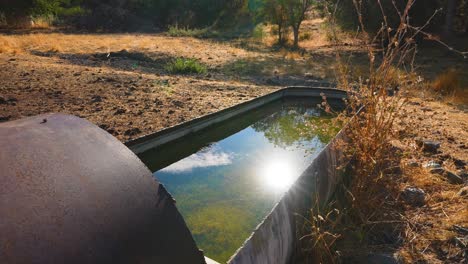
x,y
72,193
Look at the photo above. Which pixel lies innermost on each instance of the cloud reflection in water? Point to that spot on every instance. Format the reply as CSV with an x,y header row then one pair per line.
x,y
207,158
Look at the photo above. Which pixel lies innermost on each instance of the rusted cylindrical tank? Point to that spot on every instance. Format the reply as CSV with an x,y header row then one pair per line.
x,y
72,193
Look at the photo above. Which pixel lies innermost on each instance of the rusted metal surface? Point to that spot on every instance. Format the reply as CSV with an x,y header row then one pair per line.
x,y
72,193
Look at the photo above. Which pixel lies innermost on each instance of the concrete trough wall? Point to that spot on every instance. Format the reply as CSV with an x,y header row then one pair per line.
x,y
168,135
275,239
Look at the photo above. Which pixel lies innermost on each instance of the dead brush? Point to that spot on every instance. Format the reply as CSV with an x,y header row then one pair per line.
x,y
447,82
448,86
375,101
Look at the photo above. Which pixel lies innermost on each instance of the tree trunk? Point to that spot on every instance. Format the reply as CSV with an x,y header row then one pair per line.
x,y
280,34
296,36
449,15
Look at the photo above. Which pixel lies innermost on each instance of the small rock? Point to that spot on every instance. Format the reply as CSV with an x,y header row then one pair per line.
x,y
459,163
429,145
432,165
439,171
453,178
414,196
132,131
177,103
120,111
96,99
171,112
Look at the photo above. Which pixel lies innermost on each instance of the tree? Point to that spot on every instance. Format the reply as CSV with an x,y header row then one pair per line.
x,y
296,10
18,12
275,12
449,16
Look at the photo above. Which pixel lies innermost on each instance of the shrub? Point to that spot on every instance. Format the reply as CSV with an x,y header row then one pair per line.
x,y
185,66
447,82
176,31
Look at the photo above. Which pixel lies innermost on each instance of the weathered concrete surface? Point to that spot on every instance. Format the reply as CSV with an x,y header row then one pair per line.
x,y
275,239
72,193
165,136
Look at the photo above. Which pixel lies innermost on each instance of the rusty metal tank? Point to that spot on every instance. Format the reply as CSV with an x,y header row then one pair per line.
x,y
72,193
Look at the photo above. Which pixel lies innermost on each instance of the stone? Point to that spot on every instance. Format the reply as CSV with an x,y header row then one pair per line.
x,y
120,111
453,178
430,146
439,171
96,99
132,131
414,196
459,163
177,103
432,165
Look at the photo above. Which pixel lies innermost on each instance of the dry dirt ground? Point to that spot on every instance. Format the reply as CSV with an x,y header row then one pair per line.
x,y
119,82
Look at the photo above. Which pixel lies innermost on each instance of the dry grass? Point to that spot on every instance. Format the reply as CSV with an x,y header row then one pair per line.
x,y
449,85
371,203
147,43
430,229
447,82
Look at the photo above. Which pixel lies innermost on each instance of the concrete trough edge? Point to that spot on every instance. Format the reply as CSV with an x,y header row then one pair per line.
x,y
144,143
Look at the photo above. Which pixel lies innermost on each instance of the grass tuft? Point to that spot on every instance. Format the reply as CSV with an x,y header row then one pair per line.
x,y
447,82
185,66
176,31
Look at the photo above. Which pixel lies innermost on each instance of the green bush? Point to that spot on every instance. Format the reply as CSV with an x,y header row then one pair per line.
x,y
175,31
185,66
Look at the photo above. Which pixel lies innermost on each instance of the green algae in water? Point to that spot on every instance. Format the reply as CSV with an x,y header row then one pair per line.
x,y
228,178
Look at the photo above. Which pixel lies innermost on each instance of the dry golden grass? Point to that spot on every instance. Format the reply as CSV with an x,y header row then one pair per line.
x,y
450,86
218,53
430,228
447,82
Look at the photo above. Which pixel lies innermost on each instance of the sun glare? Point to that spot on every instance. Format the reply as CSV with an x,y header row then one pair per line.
x,y
278,175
